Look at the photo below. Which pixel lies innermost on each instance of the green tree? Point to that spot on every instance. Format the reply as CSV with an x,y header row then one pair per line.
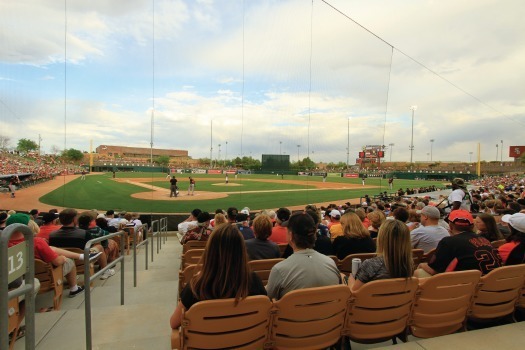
x,y
162,160
26,145
73,155
4,142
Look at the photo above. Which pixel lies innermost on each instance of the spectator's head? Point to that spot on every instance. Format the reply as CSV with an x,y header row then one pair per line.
x,y
460,221
3,218
102,223
376,218
393,243
302,230
84,220
49,218
110,213
18,218
414,216
283,214
516,223
353,226
514,206
315,216
219,211
232,214
486,224
67,217
34,213
220,219
33,226
203,219
135,215
335,215
430,216
195,213
401,214
262,227
225,272
360,213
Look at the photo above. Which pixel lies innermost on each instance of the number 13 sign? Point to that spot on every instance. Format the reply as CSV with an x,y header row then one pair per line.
x,y
16,261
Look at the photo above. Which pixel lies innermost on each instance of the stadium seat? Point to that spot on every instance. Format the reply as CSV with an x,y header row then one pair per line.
x,y
13,324
498,243
345,265
311,318
426,257
417,255
185,276
263,267
223,324
442,302
191,257
51,279
380,310
193,245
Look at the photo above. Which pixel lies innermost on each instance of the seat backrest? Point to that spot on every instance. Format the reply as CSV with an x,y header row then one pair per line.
x,y
498,243
428,255
417,256
335,259
220,324
521,299
193,245
51,279
380,309
498,292
311,318
442,302
263,267
191,257
282,247
186,275
345,265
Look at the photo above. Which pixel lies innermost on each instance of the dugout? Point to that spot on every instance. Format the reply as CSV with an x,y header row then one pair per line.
x,y
430,175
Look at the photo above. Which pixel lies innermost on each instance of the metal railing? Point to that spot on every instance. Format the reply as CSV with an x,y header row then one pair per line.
x,y
135,246
155,232
14,266
164,228
88,278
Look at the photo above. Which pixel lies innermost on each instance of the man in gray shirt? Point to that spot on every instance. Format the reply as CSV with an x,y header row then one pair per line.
x,y
305,268
428,235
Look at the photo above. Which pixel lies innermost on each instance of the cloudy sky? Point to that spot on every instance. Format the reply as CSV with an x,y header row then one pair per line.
x,y
268,74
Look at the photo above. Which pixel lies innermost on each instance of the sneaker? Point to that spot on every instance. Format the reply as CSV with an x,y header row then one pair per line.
x,y
107,274
94,255
78,291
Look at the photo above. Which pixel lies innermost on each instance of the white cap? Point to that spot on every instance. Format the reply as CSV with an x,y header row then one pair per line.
x,y
334,213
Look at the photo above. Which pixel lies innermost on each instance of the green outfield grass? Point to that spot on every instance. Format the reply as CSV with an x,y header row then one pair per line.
x,y
102,193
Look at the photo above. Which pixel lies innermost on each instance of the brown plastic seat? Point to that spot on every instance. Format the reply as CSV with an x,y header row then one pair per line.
x,y
129,237
498,243
51,279
191,257
442,302
345,265
79,264
193,245
380,310
497,294
426,257
417,256
282,247
311,318
335,259
220,324
13,320
263,267
186,275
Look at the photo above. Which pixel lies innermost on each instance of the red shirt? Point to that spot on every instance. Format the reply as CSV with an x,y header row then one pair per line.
x,y
506,249
41,248
45,230
278,234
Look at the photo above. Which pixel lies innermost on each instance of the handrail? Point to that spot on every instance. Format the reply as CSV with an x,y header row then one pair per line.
x,y
27,289
164,228
135,246
154,223
88,278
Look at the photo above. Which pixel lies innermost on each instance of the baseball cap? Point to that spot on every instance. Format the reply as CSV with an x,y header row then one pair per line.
x,y
245,210
461,218
335,213
517,221
300,224
18,218
431,212
48,217
203,217
3,216
241,217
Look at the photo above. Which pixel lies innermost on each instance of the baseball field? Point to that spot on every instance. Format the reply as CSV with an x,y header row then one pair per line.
x,y
150,193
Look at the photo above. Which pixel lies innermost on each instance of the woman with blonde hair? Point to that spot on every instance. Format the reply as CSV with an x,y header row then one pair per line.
x,y
224,273
355,238
376,218
219,219
394,256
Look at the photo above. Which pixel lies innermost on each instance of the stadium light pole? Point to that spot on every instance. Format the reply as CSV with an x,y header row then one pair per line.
x,y
501,150
298,146
225,153
470,157
280,147
413,108
391,147
431,144
348,146
497,151
219,160
211,143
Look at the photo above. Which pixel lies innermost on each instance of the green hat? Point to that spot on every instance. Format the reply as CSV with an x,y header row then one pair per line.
x,y
17,218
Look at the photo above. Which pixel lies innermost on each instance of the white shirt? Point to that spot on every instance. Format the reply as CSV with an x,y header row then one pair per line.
x,y
459,195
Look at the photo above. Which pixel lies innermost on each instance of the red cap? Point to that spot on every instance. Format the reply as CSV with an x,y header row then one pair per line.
x,y
461,218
